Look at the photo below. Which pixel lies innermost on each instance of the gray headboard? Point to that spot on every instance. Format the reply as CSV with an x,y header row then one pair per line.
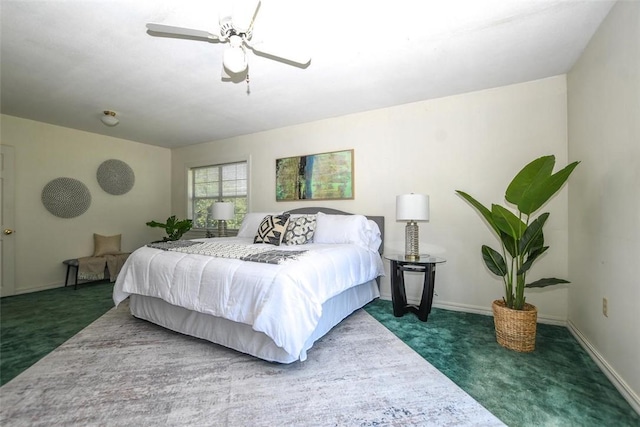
x,y
313,210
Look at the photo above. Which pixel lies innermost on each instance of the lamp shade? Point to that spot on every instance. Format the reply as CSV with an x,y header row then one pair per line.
x,y
222,211
412,207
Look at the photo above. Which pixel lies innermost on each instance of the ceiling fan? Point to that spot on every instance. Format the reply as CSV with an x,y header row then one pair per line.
x,y
237,29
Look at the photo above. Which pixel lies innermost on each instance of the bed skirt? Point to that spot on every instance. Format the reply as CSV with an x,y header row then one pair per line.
x,y
242,337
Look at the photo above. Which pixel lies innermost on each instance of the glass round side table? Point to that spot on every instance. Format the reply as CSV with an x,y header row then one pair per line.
x,y
425,264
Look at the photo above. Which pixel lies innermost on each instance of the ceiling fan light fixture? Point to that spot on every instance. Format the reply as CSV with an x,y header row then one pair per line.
x,y
234,60
235,27
109,118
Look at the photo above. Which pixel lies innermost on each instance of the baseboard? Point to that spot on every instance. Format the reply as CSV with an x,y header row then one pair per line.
x,y
486,311
546,319
624,389
39,288
51,286
447,305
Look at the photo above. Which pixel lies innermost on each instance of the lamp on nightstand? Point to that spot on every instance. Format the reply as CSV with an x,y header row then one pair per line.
x,y
412,208
222,212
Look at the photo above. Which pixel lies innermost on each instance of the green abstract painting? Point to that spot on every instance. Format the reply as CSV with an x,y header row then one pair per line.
x,y
325,176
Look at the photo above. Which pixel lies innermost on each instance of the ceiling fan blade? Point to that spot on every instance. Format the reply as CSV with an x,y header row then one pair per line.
x,y
181,31
290,55
243,14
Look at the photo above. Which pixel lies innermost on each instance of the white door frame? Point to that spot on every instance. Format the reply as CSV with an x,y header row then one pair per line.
x,y
7,216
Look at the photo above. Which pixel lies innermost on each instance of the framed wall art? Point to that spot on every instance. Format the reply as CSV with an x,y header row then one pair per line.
x,y
324,176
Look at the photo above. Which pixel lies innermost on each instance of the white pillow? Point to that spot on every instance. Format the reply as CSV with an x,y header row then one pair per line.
x,y
375,237
354,229
250,223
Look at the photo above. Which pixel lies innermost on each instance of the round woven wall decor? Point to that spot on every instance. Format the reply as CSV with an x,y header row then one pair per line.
x,y
66,197
115,177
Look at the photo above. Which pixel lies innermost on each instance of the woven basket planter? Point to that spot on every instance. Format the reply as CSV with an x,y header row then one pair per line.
x,y
515,329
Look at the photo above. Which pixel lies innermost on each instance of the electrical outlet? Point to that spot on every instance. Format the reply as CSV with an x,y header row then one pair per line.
x,y
605,307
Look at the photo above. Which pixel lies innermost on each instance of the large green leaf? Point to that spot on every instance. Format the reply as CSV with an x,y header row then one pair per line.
x,y
531,236
171,221
530,259
507,221
510,244
549,281
541,191
485,212
156,224
533,173
494,261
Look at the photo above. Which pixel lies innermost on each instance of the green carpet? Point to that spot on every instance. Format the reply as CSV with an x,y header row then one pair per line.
x,y
32,325
556,385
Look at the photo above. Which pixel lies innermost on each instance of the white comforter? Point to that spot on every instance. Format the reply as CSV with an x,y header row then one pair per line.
x,y
283,301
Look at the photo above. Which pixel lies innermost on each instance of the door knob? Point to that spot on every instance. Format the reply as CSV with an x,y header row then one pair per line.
x,y
8,231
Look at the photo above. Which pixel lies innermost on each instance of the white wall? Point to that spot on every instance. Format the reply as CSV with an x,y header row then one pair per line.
x,y
604,132
44,152
475,142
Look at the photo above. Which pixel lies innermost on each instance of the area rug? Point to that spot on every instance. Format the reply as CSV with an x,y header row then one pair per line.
x,y
124,371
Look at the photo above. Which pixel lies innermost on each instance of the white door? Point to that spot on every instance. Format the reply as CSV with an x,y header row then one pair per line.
x,y
7,254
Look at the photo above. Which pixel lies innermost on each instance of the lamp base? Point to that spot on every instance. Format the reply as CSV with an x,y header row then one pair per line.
x,y
412,241
222,228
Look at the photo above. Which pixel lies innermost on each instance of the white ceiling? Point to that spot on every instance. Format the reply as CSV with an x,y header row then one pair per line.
x,y
63,62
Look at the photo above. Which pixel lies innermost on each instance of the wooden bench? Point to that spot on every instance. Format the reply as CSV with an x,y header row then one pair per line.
x,y
73,263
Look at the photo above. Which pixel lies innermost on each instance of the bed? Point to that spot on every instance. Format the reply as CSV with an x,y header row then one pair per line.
x,y
271,299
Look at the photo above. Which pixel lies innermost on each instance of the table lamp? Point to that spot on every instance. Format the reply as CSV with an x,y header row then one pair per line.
x,y
222,212
412,208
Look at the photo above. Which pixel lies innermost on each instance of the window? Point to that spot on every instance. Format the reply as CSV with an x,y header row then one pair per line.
x,y
217,183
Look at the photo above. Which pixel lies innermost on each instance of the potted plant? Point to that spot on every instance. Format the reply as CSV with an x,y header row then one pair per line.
x,y
522,242
175,228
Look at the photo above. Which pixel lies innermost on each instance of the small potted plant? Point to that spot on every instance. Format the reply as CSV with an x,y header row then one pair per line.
x,y
522,242
175,228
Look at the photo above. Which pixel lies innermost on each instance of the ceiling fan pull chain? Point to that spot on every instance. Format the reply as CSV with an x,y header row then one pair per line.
x,y
248,87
